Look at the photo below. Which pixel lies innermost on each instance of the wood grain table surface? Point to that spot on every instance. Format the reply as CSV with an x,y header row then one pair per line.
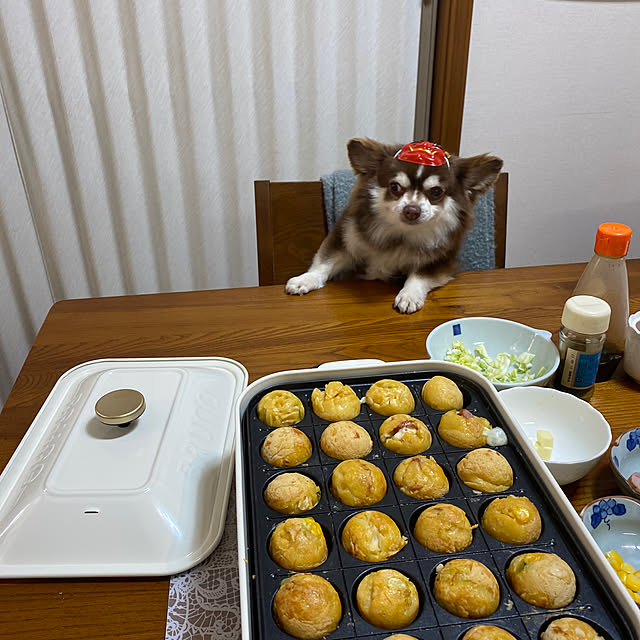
x,y
267,331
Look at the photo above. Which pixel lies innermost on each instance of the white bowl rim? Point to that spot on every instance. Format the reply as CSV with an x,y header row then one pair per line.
x,y
590,409
617,444
543,333
618,440
587,506
502,320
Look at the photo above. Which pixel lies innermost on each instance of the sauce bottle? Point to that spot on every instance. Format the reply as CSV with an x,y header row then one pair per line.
x,y
582,336
606,277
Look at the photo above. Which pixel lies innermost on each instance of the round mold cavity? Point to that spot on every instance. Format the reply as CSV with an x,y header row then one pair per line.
x,y
374,414
483,507
417,582
390,453
364,506
494,623
343,603
463,454
577,616
328,459
316,480
522,550
467,396
253,411
445,469
343,524
438,567
461,505
260,445
325,531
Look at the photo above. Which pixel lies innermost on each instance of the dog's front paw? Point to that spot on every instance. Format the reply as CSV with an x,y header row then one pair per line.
x,y
408,301
299,285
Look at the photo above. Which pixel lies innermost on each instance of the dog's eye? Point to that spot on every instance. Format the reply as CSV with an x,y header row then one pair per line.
x,y
435,193
395,187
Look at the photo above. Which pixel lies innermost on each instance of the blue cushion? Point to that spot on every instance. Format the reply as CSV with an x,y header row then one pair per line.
x,y
336,189
478,249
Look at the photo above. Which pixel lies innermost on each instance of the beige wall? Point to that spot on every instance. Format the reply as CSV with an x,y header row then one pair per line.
x,y
554,88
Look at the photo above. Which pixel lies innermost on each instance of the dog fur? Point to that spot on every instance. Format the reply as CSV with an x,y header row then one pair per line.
x,y
403,220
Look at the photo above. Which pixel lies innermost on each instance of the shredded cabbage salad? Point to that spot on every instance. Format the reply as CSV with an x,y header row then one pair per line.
x,y
507,367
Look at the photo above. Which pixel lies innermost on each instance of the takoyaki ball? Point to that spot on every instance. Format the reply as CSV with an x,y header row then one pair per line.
x,y
345,440
372,536
485,470
444,528
463,429
337,402
298,544
542,579
387,397
421,478
286,447
488,632
400,636
280,408
388,599
570,629
358,483
307,606
442,394
467,589
292,493
514,520
404,434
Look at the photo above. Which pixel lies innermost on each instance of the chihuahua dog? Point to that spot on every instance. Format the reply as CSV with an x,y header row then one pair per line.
x,y
407,217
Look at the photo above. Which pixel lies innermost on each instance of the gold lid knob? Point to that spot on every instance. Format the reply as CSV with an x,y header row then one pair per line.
x,y
120,407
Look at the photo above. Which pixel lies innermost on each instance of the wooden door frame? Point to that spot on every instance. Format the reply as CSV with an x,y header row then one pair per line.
x,y
443,67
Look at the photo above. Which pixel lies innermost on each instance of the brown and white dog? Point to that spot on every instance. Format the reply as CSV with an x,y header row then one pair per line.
x,y
405,218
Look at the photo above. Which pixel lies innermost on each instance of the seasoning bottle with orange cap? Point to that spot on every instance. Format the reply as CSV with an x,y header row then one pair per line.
x,y
606,277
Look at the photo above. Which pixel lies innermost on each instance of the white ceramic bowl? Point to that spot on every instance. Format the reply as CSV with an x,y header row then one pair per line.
x,y
624,459
581,435
498,336
614,523
631,362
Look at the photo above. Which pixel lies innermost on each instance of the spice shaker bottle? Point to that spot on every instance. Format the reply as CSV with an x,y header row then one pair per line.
x,y
606,277
585,320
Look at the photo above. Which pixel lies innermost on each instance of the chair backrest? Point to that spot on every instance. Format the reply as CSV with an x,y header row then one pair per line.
x,y
291,224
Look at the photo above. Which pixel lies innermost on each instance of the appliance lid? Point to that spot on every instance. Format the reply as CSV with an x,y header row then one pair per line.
x,y
143,495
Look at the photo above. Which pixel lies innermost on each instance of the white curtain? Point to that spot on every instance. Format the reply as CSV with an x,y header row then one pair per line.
x,y
138,129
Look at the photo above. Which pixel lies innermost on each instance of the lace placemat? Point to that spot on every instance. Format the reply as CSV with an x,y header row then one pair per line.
x,y
204,602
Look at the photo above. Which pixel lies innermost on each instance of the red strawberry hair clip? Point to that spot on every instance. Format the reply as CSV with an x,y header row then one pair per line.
x,y
427,153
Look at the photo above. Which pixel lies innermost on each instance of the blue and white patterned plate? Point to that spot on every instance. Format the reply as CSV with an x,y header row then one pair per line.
x,y
624,460
614,523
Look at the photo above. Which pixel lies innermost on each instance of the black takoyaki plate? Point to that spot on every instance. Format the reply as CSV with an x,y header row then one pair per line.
x,y
593,602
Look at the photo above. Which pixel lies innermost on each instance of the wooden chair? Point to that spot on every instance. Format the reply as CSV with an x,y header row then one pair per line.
x,y
290,225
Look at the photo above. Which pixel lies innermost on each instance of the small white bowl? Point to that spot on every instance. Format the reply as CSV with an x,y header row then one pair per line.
x,y
624,459
581,435
614,523
498,336
631,361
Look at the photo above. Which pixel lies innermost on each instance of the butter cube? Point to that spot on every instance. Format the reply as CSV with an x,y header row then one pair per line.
x,y
543,444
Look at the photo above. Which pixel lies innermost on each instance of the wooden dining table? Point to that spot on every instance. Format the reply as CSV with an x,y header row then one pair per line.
x,y
267,331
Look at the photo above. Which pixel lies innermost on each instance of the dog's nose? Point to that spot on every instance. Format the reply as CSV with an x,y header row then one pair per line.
x,y
411,212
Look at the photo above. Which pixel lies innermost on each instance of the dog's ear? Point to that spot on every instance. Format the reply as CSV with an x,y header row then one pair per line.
x,y
478,173
366,155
